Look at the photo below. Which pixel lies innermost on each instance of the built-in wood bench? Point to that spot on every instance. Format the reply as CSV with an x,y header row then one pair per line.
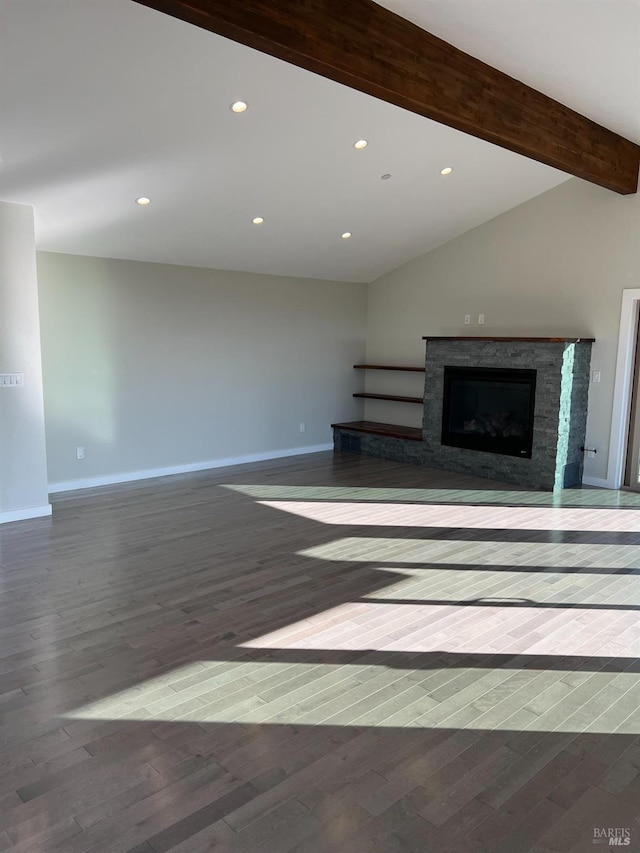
x,y
343,432
374,427
388,430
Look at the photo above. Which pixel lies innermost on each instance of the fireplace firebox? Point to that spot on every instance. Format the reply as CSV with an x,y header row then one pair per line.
x,y
489,409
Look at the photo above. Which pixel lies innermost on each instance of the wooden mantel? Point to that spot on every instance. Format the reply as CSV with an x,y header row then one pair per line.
x,y
493,338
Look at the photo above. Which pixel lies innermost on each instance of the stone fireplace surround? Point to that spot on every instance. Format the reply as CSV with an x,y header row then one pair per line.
x,y
560,412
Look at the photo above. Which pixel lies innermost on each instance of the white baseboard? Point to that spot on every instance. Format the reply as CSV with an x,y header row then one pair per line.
x,y
600,482
23,514
131,476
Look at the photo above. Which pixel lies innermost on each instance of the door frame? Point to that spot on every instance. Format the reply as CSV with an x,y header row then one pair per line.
x,y
621,411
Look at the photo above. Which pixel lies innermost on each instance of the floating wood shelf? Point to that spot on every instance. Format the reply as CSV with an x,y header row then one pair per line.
x,y
393,397
375,428
388,367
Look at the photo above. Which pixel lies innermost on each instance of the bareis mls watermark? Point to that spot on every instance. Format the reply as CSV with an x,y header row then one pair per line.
x,y
613,836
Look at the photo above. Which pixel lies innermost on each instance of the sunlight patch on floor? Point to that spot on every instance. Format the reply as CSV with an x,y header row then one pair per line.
x,y
512,497
470,517
471,610
460,552
266,693
424,628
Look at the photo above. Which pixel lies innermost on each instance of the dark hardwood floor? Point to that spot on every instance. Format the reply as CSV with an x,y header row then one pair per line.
x,y
321,654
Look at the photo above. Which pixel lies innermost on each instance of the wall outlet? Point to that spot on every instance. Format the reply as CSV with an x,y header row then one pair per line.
x,y
596,376
302,427
481,319
467,319
79,452
590,453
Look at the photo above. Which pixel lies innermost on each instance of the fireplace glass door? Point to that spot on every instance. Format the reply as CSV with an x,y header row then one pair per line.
x,y
489,409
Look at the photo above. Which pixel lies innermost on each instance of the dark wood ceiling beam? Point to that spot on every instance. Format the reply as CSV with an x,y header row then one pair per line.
x,y
373,50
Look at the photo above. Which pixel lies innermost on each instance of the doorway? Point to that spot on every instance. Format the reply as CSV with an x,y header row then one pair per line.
x,y
618,457
632,462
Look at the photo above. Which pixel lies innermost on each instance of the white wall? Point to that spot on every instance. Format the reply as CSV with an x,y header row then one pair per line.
x,y
149,366
23,466
556,265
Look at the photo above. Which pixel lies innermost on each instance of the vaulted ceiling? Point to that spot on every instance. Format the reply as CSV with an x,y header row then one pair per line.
x,y
103,101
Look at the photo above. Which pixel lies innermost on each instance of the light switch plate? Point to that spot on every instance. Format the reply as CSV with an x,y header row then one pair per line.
x,y
11,380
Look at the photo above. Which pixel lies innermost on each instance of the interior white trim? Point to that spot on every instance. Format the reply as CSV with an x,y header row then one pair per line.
x,y
622,389
23,514
600,482
112,479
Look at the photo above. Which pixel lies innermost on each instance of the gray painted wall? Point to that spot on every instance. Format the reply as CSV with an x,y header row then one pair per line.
x,y
149,366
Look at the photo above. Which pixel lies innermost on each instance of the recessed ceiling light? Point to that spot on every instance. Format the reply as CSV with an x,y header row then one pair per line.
x,y
346,235
446,171
238,107
385,177
142,200
257,220
360,144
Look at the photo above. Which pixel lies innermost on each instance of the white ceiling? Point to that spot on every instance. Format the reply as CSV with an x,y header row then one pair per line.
x,y
102,101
